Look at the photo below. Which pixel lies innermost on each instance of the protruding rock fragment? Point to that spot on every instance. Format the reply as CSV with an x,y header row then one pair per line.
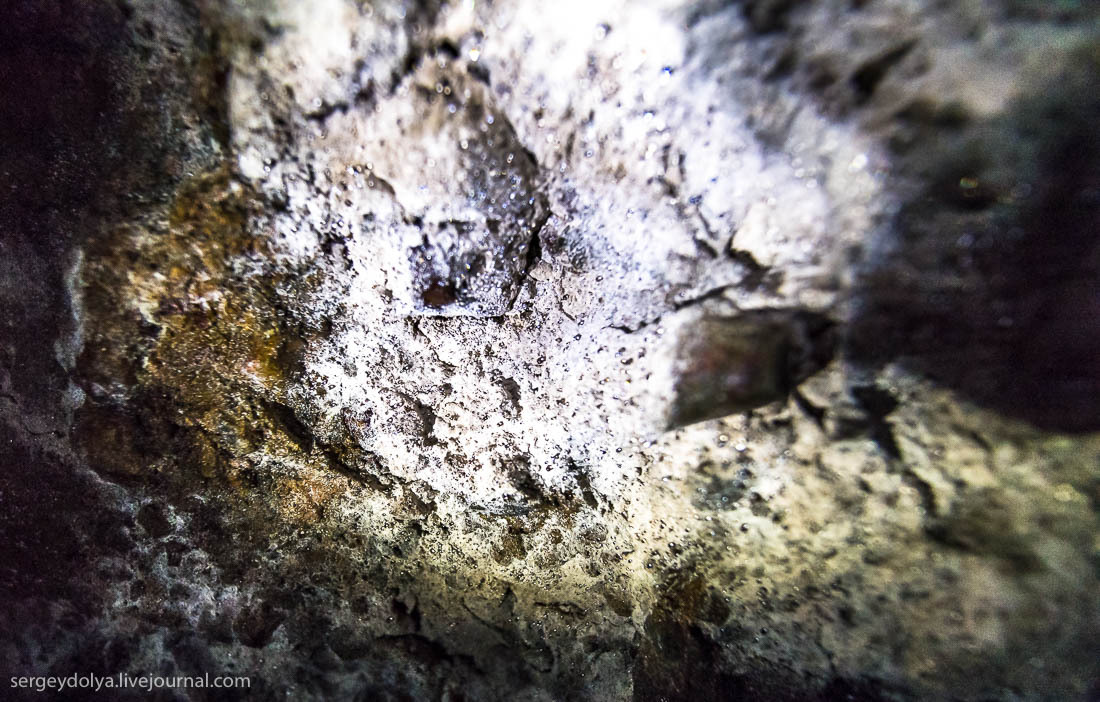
x,y
736,364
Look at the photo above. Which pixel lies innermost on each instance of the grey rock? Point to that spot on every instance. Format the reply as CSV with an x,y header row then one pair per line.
x,y
647,350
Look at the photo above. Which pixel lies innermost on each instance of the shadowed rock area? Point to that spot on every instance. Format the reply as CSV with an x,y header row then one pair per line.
x,y
594,351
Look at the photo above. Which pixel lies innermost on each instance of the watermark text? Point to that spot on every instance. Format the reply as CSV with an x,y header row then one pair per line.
x,y
148,683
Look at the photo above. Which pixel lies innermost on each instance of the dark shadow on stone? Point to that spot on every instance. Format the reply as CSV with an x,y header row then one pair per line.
x,y
92,128
57,62
89,132
988,279
53,528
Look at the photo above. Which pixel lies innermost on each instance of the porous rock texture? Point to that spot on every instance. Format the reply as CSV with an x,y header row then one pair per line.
x,y
553,350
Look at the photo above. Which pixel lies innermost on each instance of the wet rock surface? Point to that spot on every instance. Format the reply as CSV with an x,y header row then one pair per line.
x,y
588,351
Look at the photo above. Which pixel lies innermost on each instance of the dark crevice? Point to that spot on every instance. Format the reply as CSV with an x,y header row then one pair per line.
x,y
711,294
878,403
326,110
813,411
427,418
478,72
534,252
588,494
429,650
285,419
367,478
868,76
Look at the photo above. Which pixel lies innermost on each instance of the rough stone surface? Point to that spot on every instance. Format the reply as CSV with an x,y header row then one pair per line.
x,y
584,350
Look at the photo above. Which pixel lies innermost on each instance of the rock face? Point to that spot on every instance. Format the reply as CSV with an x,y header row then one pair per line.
x,y
648,350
